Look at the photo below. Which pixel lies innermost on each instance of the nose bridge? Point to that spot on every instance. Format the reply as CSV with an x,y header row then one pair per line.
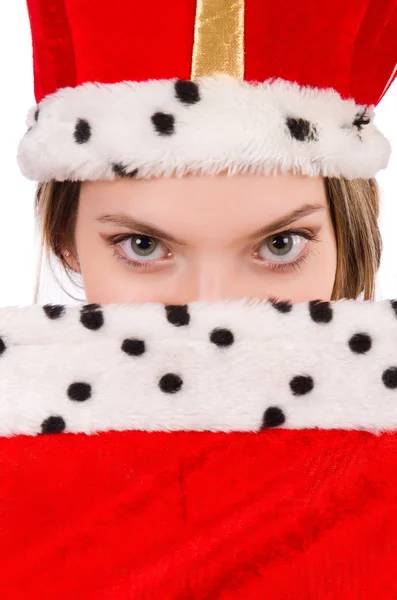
x,y
216,279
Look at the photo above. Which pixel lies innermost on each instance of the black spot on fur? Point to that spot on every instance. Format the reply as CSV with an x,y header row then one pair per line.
x,y
360,343
164,123
92,306
2,346
187,91
301,385
389,378
170,383
320,312
282,306
54,311
394,306
177,315
82,131
53,424
133,347
273,417
36,114
222,337
91,316
121,171
302,130
361,120
79,391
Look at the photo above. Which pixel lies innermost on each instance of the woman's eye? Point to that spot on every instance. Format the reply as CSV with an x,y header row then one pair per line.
x,y
143,248
282,247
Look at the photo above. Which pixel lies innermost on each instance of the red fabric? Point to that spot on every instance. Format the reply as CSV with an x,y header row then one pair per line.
x,y
111,41
280,515
54,63
349,45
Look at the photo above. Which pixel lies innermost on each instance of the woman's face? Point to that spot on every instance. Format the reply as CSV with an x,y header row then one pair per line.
x,y
176,240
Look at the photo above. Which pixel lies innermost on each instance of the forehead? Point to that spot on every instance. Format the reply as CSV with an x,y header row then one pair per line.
x,y
236,202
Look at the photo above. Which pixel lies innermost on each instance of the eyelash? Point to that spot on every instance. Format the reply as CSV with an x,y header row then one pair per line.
x,y
144,264
114,241
307,235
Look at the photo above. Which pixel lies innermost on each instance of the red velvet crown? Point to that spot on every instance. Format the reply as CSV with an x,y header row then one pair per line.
x,y
349,46
324,67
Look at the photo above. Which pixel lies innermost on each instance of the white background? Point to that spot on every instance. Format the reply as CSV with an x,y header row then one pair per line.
x,y
19,244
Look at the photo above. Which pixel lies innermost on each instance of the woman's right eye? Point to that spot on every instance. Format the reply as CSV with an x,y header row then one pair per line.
x,y
142,248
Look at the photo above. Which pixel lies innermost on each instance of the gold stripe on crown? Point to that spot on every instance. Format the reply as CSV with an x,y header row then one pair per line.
x,y
218,38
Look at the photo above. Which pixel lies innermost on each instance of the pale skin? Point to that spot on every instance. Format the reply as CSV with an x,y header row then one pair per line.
x,y
179,240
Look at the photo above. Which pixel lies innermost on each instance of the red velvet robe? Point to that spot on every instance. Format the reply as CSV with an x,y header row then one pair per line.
x,y
280,512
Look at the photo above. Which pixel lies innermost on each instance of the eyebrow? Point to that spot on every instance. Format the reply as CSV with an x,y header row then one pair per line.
x,y
286,220
124,220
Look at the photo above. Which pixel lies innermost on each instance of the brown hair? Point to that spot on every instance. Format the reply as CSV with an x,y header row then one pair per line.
x,y
354,207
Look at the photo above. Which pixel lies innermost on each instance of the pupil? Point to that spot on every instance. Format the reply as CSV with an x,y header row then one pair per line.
x,y
280,244
143,244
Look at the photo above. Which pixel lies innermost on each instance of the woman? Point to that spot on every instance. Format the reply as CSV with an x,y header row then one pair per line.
x,y
176,240
222,450
210,160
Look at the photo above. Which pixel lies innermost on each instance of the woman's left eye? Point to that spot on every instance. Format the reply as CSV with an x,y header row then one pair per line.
x,y
282,247
142,248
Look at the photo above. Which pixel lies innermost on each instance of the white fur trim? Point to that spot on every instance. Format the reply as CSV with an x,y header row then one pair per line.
x,y
224,389
238,126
